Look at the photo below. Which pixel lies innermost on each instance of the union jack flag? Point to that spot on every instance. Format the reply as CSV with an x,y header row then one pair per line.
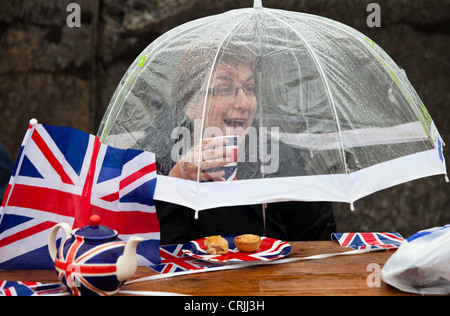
x,y
174,260
368,240
19,288
66,175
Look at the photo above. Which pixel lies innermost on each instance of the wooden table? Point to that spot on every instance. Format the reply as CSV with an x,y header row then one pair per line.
x,y
340,275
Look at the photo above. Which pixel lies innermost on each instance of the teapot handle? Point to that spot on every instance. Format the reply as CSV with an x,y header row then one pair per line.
x,y
52,238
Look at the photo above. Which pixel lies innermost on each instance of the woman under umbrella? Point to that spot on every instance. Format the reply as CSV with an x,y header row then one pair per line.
x,y
229,108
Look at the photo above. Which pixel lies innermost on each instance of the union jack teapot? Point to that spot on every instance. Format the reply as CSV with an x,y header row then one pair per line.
x,y
93,260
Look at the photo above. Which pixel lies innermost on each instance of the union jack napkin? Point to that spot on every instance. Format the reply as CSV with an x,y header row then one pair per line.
x,y
368,240
19,288
174,260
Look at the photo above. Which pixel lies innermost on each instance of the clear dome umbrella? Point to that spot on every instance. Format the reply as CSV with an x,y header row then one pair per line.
x,y
322,113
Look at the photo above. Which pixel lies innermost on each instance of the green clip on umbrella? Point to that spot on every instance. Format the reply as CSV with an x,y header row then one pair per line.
x,y
328,116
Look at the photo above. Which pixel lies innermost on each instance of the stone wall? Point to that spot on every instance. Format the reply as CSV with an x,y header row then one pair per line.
x,y
66,76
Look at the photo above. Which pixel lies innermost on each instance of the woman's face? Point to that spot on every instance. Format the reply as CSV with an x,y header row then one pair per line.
x,y
231,102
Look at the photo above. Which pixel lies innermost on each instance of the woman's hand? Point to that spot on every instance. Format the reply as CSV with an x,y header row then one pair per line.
x,y
212,154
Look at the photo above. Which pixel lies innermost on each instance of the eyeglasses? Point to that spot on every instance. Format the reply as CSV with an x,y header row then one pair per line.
x,y
229,90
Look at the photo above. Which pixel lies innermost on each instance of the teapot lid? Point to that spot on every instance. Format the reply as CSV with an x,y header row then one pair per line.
x,y
96,231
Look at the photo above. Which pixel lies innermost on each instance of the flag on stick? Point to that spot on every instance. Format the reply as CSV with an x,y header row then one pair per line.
x,y
368,240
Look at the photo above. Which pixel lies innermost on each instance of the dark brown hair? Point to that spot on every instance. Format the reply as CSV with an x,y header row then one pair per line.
x,y
197,62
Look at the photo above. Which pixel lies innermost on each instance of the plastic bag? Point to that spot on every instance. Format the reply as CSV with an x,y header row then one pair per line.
x,y
422,263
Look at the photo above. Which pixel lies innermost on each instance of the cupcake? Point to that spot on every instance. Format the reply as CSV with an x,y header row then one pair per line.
x,y
247,242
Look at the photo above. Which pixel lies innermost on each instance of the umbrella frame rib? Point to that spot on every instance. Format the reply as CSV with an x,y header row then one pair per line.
x,y
327,87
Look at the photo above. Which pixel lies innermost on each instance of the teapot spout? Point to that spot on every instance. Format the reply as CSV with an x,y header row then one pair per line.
x,y
127,263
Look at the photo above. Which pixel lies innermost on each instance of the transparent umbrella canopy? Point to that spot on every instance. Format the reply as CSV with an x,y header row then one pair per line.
x,y
321,111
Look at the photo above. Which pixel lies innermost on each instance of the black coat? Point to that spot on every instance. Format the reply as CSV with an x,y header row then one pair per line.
x,y
287,221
